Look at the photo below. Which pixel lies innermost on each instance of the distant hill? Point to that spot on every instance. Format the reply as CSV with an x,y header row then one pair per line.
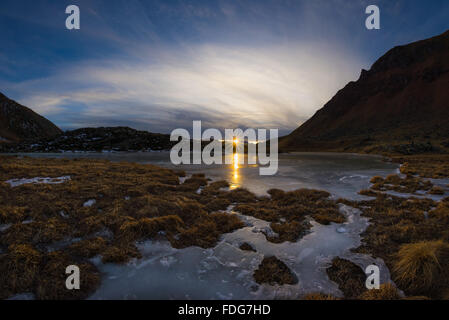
x,y
19,123
401,105
95,140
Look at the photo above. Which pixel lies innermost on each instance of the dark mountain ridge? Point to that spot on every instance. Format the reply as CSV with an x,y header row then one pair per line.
x,y
19,123
400,105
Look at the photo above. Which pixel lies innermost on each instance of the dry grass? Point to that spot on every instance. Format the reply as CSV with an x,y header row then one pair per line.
x,y
19,269
387,291
319,297
273,271
349,277
132,203
409,184
423,268
400,223
436,190
247,247
426,166
288,212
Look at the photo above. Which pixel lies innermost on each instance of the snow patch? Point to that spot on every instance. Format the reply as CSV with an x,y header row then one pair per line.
x,y
89,203
38,180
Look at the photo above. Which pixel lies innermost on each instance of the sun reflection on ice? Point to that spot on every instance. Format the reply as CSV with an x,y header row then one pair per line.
x,y
235,180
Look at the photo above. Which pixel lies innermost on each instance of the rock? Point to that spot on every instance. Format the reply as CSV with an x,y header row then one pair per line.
x,y
342,230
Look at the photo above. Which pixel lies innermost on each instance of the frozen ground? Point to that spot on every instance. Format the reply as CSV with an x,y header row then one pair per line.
x,y
18,182
225,272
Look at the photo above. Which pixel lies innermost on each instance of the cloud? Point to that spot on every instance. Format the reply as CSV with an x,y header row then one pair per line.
x,y
265,86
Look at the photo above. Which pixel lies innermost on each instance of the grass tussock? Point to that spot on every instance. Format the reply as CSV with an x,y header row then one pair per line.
x,y
247,247
393,182
50,285
288,212
349,277
436,190
387,291
423,268
273,271
319,297
426,166
18,269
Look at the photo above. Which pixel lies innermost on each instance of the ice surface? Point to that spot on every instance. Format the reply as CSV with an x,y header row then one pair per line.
x,y
89,203
225,271
18,182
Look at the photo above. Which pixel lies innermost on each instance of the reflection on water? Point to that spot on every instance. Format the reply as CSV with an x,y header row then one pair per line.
x,y
235,183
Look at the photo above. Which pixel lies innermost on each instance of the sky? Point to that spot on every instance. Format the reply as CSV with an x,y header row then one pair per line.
x,y
159,65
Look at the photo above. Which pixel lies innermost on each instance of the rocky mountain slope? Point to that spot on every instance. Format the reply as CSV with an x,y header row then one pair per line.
x,y
95,139
401,105
19,123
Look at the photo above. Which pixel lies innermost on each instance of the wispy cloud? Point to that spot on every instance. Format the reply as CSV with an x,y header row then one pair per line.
x,y
247,86
158,65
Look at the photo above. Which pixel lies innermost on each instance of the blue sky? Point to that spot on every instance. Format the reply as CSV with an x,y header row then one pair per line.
x,y
158,65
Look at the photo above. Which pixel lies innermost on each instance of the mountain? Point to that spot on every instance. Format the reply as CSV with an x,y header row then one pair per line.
x,y
20,123
401,105
95,139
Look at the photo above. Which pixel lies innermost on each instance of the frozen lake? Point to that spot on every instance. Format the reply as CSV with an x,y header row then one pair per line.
x,y
225,272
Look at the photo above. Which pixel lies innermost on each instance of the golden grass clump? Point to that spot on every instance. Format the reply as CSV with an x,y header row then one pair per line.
x,y
214,188
36,232
326,216
288,231
426,166
147,228
247,247
319,297
12,214
19,269
51,283
288,212
240,195
207,231
436,190
422,268
376,179
368,193
349,277
273,271
88,248
120,254
387,291
409,184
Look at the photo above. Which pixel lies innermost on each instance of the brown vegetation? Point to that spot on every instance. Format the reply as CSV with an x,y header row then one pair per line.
x,y
349,277
409,184
423,268
426,166
288,212
410,234
319,296
247,247
387,291
132,203
273,271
